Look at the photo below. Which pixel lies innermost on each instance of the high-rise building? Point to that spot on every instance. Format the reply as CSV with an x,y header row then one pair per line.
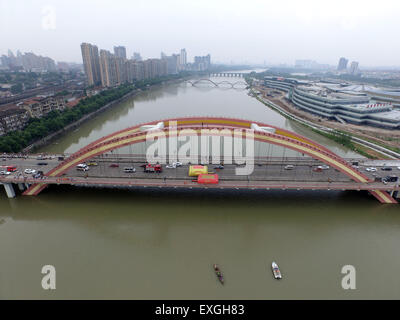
x,y
120,51
342,64
108,67
91,63
172,63
202,63
183,59
136,56
354,68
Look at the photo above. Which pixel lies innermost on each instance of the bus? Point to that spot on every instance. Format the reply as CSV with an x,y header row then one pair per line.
x,y
8,168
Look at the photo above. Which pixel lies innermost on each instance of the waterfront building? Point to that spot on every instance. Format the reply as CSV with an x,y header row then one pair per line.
x,y
91,63
337,102
39,106
12,119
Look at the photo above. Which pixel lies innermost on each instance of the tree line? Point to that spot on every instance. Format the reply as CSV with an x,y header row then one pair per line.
x,y
38,128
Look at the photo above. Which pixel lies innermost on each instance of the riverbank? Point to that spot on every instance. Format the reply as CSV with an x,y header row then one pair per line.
x,y
51,137
365,148
55,135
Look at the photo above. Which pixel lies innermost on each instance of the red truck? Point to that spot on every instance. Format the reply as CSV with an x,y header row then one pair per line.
x,y
152,168
8,168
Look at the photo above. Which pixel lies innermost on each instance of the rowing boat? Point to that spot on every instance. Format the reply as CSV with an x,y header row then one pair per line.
x,y
218,273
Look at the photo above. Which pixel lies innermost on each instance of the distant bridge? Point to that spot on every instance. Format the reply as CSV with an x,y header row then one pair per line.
x,y
222,84
228,74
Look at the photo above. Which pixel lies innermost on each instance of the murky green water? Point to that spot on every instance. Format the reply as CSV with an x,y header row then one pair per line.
x,y
161,243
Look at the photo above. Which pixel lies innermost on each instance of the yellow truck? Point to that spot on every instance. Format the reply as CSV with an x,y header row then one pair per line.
x,y
194,171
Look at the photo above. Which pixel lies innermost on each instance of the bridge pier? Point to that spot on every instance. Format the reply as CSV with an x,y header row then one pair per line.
x,y
21,186
9,190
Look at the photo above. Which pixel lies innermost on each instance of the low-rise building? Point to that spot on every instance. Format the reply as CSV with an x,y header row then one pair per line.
x,y
40,106
12,119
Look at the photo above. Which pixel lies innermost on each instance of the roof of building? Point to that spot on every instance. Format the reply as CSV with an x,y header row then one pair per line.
x,y
7,112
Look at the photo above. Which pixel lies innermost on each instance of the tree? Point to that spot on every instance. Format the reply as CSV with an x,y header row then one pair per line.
x,y
17,88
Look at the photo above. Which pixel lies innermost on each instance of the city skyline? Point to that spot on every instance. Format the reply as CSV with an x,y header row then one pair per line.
x,y
308,30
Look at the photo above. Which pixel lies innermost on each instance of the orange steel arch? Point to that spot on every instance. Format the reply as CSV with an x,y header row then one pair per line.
x,y
281,137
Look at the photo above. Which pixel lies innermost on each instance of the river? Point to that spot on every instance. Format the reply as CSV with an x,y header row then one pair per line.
x,y
161,243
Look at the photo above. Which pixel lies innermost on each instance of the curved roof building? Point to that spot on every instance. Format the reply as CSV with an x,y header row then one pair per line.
x,y
342,102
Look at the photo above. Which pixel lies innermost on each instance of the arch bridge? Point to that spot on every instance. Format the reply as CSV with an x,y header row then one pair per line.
x,y
225,83
276,136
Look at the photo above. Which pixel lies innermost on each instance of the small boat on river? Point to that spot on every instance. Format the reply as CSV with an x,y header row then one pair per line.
x,y
218,273
276,271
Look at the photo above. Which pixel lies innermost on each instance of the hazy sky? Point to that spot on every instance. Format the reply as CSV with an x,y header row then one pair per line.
x,y
277,31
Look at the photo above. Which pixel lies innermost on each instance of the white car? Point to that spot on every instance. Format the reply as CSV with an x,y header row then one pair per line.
x,y
398,168
82,167
324,167
171,166
371,169
5,173
30,171
177,164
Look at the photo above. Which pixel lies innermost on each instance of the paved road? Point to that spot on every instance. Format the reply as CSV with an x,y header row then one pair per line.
x,y
271,172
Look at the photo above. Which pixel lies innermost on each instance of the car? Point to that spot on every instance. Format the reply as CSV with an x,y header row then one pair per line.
x,y
42,163
30,171
391,179
324,167
289,167
177,164
82,167
114,165
5,173
129,170
398,168
170,166
37,175
371,169
219,167
386,169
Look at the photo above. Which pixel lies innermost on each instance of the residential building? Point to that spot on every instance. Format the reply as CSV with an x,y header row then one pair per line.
x,y
91,63
39,106
120,52
183,59
136,56
108,69
12,119
202,63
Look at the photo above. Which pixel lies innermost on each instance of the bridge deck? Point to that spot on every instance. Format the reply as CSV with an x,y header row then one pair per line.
x,y
266,175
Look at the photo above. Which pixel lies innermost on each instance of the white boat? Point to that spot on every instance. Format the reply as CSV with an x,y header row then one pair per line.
x,y
276,271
